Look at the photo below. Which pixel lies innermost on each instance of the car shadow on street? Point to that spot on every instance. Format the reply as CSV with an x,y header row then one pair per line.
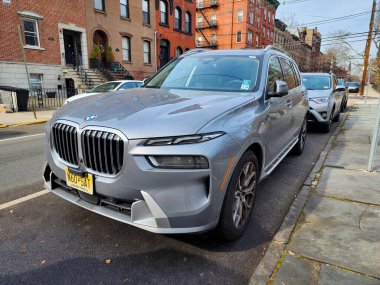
x,y
160,266
10,133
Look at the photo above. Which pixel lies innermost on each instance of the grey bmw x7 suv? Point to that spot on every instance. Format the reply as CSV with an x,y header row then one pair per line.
x,y
186,152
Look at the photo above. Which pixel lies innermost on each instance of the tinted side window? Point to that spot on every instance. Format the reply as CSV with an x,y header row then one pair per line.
x,y
288,74
274,73
297,74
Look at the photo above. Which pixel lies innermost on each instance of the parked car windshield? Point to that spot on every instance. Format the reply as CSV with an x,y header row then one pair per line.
x,y
209,72
105,87
316,82
352,84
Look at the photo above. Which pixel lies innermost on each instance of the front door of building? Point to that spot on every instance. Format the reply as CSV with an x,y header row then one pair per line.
x,y
164,52
73,48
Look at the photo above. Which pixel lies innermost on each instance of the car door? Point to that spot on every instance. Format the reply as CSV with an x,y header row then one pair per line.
x,y
293,98
336,94
279,115
296,93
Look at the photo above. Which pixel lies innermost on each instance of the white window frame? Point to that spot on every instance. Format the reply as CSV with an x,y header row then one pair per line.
x,y
240,16
36,32
147,53
126,49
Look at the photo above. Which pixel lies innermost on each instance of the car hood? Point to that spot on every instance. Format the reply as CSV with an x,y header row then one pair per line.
x,y
318,93
82,95
144,112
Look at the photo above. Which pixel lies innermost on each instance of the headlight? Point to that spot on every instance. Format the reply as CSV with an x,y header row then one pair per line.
x,y
179,161
183,139
319,100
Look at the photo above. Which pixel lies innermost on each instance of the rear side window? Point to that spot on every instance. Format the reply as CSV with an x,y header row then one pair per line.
x,y
289,76
296,74
274,73
127,85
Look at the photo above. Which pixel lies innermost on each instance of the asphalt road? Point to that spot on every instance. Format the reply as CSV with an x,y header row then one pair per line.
x,y
47,240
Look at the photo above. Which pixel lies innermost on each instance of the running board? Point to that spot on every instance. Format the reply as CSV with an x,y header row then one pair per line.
x,y
273,164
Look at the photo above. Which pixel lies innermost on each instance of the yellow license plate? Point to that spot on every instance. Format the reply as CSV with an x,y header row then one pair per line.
x,y
84,184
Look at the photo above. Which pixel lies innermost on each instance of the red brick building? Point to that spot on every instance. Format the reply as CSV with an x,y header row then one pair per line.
x,y
175,28
226,24
49,35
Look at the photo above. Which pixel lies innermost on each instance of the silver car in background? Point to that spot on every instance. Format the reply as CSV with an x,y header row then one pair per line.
x,y
185,152
325,98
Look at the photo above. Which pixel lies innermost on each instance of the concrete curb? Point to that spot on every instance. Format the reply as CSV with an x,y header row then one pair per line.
x,y
273,254
25,123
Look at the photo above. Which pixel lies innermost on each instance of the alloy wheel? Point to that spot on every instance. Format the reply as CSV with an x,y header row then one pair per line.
x,y
244,194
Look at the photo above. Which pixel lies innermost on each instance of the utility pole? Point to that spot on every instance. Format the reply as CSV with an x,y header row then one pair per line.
x,y
368,48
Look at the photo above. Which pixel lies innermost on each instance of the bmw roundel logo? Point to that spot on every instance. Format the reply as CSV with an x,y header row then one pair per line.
x,y
90,118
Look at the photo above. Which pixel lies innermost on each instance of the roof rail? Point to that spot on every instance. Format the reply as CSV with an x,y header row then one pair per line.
x,y
271,47
196,50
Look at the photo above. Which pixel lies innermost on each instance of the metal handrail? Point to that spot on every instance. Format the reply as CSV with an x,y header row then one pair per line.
x,y
121,70
84,76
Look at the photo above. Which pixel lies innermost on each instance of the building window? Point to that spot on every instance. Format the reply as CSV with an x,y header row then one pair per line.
x,y
163,12
147,57
31,32
263,32
36,81
188,23
145,9
126,47
238,37
178,19
251,17
250,36
240,16
213,39
124,8
99,5
213,19
257,40
200,20
199,41
269,17
265,14
178,51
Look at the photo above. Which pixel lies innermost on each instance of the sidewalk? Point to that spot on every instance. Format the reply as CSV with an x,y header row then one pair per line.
x,y
335,237
24,118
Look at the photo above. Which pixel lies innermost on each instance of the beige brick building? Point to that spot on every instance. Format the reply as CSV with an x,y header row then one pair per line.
x,y
129,28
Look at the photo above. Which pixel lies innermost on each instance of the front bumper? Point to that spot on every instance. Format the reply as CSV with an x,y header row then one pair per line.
x,y
166,201
316,112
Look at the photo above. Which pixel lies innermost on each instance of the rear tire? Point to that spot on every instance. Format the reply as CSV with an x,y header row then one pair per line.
x,y
298,148
239,199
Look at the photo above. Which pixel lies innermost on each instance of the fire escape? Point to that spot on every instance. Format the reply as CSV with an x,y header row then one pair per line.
x,y
208,25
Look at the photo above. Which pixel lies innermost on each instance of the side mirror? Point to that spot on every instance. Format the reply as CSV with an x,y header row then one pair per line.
x,y
145,80
281,89
340,88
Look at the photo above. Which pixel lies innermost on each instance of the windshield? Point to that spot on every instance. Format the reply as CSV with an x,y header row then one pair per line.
x,y
105,87
316,82
352,84
209,72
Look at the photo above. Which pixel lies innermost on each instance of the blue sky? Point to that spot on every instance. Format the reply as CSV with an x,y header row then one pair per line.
x,y
318,10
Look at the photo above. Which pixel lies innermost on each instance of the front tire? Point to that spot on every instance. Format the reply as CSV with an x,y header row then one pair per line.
x,y
240,197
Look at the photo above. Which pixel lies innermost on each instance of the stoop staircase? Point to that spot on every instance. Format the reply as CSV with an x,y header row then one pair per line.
x,y
84,78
